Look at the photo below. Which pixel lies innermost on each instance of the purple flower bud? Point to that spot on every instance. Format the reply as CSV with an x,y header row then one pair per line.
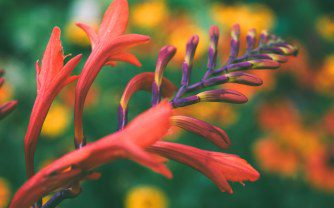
x,y
214,134
244,78
281,50
235,43
181,102
188,61
239,66
165,55
263,38
251,39
270,56
214,37
6,108
222,95
216,81
264,64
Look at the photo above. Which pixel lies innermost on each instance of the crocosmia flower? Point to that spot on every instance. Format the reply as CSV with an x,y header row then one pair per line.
x,y
79,164
51,76
219,167
109,45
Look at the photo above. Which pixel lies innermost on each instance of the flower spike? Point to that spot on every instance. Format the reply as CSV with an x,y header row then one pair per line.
x,y
51,76
108,47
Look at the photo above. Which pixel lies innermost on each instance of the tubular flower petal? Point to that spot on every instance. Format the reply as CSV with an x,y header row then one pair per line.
x,y
140,82
75,166
108,47
51,76
219,167
208,131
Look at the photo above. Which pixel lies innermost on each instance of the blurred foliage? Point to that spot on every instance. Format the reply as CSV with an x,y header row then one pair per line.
x,y
304,86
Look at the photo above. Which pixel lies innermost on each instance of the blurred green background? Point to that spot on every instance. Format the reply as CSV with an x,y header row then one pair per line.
x,y
285,131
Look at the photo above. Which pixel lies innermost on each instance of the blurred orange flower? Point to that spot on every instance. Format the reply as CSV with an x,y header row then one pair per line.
x,y
325,78
5,192
6,92
276,158
276,115
320,169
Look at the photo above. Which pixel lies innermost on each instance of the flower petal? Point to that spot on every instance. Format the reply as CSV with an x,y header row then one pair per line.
x,y
53,59
126,57
123,42
93,38
115,20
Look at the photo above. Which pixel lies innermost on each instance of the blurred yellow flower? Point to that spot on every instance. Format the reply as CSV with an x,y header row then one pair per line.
x,y
85,11
181,31
149,14
56,121
5,192
249,16
146,197
6,93
46,199
77,36
325,27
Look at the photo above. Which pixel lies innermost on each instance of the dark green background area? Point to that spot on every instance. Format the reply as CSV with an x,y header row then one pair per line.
x,y
24,31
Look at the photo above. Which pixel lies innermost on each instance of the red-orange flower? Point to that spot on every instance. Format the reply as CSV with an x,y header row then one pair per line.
x,y
217,166
108,46
274,158
51,76
143,131
320,169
